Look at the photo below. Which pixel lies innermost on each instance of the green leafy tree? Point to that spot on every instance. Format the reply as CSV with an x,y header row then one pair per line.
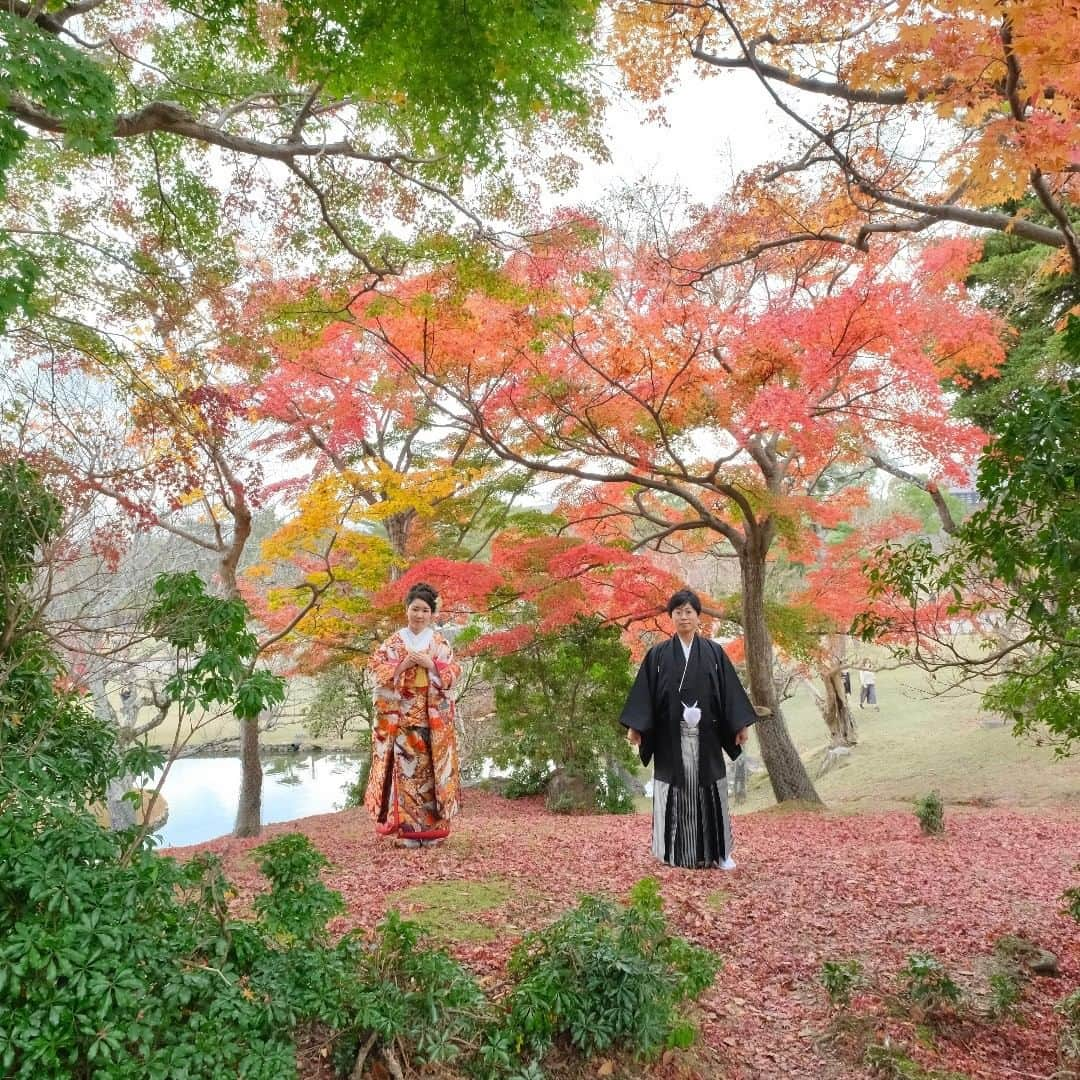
x,y
215,666
128,119
1010,278
558,700
216,651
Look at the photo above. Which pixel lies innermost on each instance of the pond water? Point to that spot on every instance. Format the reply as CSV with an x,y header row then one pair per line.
x,y
201,792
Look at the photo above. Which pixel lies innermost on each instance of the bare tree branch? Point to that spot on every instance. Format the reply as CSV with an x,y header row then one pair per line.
x,y
174,119
948,522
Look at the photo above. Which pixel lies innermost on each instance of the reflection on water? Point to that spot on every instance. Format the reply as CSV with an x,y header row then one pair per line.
x,y
201,792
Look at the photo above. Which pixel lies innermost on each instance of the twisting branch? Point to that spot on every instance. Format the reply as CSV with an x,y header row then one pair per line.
x,y
813,86
924,214
174,119
332,224
51,21
948,522
304,113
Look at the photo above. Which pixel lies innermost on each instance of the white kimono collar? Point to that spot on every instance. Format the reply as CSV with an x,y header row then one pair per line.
x,y
417,642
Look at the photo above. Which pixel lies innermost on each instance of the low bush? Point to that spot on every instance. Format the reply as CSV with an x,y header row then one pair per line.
x,y
527,779
840,978
1069,1039
930,811
1006,993
891,1062
1071,898
927,988
605,975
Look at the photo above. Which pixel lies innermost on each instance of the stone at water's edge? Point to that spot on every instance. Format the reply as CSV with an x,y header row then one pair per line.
x,y
1046,963
566,792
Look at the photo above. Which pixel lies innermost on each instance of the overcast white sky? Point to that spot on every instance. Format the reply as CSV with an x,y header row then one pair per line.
x,y
717,126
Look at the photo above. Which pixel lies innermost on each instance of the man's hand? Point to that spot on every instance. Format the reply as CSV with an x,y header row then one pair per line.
x,y
742,736
633,737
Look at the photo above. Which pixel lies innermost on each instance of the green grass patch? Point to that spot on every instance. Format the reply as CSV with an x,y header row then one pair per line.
x,y
443,908
918,742
718,899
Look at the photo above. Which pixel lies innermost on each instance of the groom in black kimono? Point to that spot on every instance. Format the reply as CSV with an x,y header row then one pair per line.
x,y
685,709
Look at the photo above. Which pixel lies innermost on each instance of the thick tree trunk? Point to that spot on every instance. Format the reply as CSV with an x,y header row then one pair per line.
x,y
249,808
787,774
838,718
121,811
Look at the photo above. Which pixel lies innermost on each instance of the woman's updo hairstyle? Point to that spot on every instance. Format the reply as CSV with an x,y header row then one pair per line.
x,y
422,591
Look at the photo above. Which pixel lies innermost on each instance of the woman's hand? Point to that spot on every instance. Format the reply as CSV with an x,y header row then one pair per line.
x,y
421,659
633,737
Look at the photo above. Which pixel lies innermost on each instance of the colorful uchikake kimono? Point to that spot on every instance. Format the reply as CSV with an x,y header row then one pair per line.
x,y
691,821
413,787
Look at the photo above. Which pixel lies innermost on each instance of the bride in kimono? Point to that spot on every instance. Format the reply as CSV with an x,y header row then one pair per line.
x,y
412,790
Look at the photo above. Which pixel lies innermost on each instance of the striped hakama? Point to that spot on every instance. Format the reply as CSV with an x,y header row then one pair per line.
x,y
691,825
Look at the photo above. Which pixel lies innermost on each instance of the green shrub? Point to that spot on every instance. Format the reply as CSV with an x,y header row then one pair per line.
x,y
892,1062
404,996
927,986
1006,991
840,978
1069,1039
931,814
527,779
1071,897
122,969
298,904
605,975
557,700
613,795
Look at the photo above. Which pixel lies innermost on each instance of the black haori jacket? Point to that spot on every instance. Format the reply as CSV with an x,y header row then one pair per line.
x,y
654,708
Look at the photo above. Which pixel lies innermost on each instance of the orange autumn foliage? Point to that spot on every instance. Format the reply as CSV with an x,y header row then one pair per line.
x,y
905,115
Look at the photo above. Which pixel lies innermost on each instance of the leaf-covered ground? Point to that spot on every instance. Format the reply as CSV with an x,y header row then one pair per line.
x,y
809,887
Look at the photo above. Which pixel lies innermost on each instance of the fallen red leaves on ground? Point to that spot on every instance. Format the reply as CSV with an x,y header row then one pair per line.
x,y
808,888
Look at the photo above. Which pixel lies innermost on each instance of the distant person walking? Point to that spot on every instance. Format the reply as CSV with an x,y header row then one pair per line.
x,y
867,688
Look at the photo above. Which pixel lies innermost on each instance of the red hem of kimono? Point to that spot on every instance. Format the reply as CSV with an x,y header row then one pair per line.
x,y
424,834
395,828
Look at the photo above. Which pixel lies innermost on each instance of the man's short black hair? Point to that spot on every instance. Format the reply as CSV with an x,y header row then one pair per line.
x,y
684,596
